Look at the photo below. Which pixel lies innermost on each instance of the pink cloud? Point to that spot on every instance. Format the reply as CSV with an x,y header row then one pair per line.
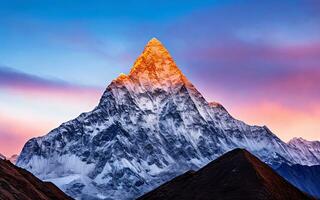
x,y
299,86
286,74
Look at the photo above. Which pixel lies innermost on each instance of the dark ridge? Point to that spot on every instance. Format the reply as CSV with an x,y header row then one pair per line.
x,y
19,184
236,175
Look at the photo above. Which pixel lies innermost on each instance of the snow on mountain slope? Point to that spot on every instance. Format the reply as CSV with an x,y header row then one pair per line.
x,y
149,126
311,149
2,157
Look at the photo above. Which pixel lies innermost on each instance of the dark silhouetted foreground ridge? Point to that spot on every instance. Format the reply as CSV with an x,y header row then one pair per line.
x,y
19,184
236,175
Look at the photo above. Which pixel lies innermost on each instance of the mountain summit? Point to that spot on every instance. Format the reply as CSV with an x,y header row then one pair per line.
x,y
156,61
149,126
154,69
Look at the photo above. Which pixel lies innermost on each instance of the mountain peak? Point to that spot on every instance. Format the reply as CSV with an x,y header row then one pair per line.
x,y
306,146
155,67
300,140
154,42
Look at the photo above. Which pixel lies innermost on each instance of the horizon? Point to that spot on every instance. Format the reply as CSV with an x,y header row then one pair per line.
x,y
263,67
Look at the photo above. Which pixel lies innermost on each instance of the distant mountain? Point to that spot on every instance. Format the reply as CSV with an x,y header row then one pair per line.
x,y
17,183
13,159
235,175
310,148
149,126
306,178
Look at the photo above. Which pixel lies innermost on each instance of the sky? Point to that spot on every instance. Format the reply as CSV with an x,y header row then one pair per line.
x,y
260,59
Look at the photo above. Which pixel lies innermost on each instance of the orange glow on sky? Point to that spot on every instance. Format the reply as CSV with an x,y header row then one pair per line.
x,y
283,121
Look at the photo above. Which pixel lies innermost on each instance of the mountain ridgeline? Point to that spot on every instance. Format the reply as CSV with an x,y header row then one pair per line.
x,y
149,126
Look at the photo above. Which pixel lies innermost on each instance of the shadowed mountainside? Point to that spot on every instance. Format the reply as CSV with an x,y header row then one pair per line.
x,y
306,178
17,183
235,175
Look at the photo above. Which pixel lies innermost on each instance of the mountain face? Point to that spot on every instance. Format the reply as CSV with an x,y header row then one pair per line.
x,y
17,184
235,175
306,178
309,148
149,126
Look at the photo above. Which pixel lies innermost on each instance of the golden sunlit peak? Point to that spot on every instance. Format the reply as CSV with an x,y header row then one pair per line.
x,y
155,57
155,68
122,75
154,41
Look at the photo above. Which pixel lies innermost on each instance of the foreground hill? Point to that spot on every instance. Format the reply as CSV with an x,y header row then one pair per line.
x,y
235,175
19,184
149,126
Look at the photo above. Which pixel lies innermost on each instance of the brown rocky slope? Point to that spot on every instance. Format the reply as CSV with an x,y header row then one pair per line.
x,y
19,184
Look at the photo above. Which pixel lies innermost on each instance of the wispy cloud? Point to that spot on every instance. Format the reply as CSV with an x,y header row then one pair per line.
x,y
27,84
287,74
22,118
233,52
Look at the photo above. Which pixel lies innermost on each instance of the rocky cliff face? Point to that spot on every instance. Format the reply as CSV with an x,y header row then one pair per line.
x,y
148,127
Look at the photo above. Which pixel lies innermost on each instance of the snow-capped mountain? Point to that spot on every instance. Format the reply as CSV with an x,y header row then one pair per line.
x,y
2,157
149,126
309,148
